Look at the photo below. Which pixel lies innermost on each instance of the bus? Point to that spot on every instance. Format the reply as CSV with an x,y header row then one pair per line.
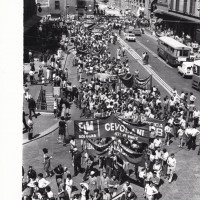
x,y
172,51
196,75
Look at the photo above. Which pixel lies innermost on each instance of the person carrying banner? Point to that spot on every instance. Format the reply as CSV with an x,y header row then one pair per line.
x,y
77,161
89,165
168,132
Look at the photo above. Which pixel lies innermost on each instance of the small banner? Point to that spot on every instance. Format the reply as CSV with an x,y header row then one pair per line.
x,y
158,124
100,147
128,151
139,161
93,152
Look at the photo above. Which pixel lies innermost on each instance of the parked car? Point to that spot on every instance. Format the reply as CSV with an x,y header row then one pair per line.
x,y
137,31
130,37
186,69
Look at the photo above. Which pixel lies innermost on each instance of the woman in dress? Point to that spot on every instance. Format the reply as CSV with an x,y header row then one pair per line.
x,y
68,184
62,130
84,191
47,162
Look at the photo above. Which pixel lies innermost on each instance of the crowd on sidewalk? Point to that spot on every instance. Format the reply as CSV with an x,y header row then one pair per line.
x,y
98,98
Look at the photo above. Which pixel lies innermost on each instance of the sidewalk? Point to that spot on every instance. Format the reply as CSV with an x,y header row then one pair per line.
x,y
45,123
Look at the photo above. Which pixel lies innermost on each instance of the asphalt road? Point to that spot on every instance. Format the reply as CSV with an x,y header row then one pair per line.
x,y
168,74
185,187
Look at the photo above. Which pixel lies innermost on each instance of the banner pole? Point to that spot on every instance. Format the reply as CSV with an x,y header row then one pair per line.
x,y
151,82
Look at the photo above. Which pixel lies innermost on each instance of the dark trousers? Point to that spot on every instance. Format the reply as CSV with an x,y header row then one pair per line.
x,y
87,172
77,167
164,168
196,121
192,142
109,171
25,124
32,110
190,115
175,131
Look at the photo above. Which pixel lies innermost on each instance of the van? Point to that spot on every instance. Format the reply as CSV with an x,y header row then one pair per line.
x,y
196,75
186,69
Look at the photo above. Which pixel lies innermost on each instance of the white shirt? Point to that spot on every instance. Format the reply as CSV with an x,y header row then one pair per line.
x,y
157,142
192,98
196,113
188,131
150,190
164,156
158,154
171,162
31,73
50,194
42,183
180,132
68,183
194,132
167,129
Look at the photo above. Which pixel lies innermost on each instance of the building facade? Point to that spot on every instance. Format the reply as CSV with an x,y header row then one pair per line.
x,y
57,7
187,7
85,7
135,7
66,7
31,21
181,16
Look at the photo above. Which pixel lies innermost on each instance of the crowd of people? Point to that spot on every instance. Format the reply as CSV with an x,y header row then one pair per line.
x,y
96,98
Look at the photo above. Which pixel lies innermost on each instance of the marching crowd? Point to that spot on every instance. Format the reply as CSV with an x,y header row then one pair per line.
x,y
98,98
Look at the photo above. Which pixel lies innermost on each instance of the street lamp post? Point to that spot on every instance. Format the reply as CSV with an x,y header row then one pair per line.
x,y
67,10
38,7
86,11
97,6
76,8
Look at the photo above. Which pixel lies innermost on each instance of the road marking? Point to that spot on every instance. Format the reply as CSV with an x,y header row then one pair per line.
x,y
154,54
151,36
146,67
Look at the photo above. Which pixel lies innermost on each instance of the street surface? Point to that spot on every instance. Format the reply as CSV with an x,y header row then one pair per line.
x,y
186,185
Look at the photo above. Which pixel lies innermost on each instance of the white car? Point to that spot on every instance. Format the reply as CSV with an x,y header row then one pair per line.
x,y
130,37
186,69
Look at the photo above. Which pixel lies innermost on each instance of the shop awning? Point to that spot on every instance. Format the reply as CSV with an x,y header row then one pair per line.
x,y
31,22
177,15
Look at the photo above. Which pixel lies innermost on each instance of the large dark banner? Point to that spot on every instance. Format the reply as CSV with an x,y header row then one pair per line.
x,y
133,81
111,126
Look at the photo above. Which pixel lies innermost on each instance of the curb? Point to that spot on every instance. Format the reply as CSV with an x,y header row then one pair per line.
x,y
44,133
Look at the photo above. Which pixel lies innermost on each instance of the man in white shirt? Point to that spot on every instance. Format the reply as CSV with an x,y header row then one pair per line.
x,y
168,131
157,142
150,191
42,183
196,115
192,97
171,162
192,141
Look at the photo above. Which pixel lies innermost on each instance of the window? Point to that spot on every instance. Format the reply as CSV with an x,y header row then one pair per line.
x,y
184,53
171,50
57,5
185,6
177,5
196,70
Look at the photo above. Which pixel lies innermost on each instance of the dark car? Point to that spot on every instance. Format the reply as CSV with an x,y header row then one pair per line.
x,y
137,31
